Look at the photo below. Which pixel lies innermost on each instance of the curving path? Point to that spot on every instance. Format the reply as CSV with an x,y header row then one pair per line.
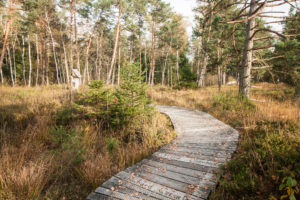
x,y
185,169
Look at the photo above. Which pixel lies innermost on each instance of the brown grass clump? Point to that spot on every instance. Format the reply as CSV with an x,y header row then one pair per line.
x,y
269,146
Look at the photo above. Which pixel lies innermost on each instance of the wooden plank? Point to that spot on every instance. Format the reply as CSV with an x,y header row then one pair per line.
x,y
188,189
150,194
114,194
227,147
96,196
187,159
204,152
118,185
203,185
167,192
185,164
185,171
195,156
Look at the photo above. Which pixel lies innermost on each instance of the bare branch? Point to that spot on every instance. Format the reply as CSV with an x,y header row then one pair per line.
x,y
255,14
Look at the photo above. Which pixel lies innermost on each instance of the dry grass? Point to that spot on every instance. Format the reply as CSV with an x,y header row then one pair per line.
x,y
270,135
264,96
41,160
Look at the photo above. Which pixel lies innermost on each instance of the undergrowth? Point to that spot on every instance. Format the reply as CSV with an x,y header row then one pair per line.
x,y
53,149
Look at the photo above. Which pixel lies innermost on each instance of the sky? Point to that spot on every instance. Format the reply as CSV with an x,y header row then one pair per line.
x,y
185,7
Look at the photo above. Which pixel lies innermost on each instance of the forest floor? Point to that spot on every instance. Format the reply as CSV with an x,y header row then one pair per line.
x,y
46,155
267,162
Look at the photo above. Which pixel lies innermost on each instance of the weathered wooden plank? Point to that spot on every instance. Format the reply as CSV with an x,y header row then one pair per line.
x,y
118,185
187,159
162,190
96,196
137,188
188,189
195,150
194,155
204,186
185,171
225,148
185,164
114,194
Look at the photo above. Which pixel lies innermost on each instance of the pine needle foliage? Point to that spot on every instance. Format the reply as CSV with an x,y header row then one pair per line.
x,y
130,101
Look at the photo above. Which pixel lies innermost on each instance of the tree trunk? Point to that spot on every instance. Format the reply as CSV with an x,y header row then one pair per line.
x,y
171,74
1,75
224,76
10,66
8,25
14,59
164,68
76,37
132,39
38,60
23,60
43,57
47,63
86,67
201,82
145,59
119,63
62,70
219,78
152,62
177,66
96,77
140,54
219,53
53,47
30,63
245,73
66,63
108,81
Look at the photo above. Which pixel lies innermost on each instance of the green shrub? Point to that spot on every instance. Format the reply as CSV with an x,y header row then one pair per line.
x,y
130,101
112,143
96,96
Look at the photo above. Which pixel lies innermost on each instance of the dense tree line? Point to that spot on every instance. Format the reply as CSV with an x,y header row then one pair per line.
x,y
43,40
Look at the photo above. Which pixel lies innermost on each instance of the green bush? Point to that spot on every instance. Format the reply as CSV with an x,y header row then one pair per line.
x,y
97,95
130,101
112,143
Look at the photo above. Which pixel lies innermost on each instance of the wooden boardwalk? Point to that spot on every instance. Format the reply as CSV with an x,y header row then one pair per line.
x,y
185,169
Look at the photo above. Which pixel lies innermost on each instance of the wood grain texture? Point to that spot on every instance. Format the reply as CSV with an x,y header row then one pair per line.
x,y
184,169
